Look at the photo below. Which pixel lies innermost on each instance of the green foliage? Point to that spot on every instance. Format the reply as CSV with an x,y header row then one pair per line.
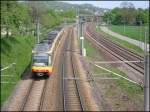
x,y
127,15
143,16
135,32
15,17
69,14
20,17
126,85
14,50
53,18
90,51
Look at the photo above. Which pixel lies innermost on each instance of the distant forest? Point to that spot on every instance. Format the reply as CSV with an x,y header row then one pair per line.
x,y
127,14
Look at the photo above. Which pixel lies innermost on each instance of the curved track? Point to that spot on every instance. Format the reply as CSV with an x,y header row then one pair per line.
x,y
116,50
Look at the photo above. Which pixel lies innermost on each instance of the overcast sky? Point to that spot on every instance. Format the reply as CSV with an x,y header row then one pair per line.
x,y
112,4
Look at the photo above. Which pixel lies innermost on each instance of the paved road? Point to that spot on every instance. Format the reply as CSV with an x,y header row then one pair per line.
x,y
132,41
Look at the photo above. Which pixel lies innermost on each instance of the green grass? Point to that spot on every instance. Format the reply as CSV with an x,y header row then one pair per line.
x,y
130,46
89,50
125,85
18,50
134,32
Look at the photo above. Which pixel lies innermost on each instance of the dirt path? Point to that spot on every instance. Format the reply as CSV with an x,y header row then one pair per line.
x,y
130,40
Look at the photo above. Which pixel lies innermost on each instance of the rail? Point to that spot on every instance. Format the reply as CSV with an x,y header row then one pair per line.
x,y
76,84
120,56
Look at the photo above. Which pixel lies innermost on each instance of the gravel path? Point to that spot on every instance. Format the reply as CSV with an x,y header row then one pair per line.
x,y
132,41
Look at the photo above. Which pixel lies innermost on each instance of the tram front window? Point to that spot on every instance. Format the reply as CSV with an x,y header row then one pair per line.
x,y
40,60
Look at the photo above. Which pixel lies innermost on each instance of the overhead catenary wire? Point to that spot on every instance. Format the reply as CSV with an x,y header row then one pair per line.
x,y
116,74
103,62
8,66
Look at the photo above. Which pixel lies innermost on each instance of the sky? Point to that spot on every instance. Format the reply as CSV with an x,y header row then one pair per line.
x,y
112,4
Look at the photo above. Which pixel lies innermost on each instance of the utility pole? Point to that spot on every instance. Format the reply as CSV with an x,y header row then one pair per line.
x,y
38,27
83,50
145,37
124,27
97,21
78,24
77,20
146,84
141,33
146,76
108,24
82,26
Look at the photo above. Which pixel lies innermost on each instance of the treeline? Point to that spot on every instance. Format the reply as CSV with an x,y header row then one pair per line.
x,y
19,18
15,17
127,14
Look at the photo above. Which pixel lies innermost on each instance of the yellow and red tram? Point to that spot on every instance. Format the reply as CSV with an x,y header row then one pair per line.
x,y
43,54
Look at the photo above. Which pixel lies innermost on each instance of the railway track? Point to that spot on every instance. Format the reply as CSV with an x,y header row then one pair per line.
x,y
72,99
35,95
36,92
116,50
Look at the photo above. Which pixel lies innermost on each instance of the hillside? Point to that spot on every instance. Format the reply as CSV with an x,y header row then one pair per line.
x,y
62,6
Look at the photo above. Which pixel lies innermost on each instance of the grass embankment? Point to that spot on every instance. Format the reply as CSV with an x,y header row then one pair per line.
x,y
14,50
130,46
123,84
134,32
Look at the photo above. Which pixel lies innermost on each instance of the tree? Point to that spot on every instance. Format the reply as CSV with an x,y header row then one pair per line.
x,y
14,17
126,14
